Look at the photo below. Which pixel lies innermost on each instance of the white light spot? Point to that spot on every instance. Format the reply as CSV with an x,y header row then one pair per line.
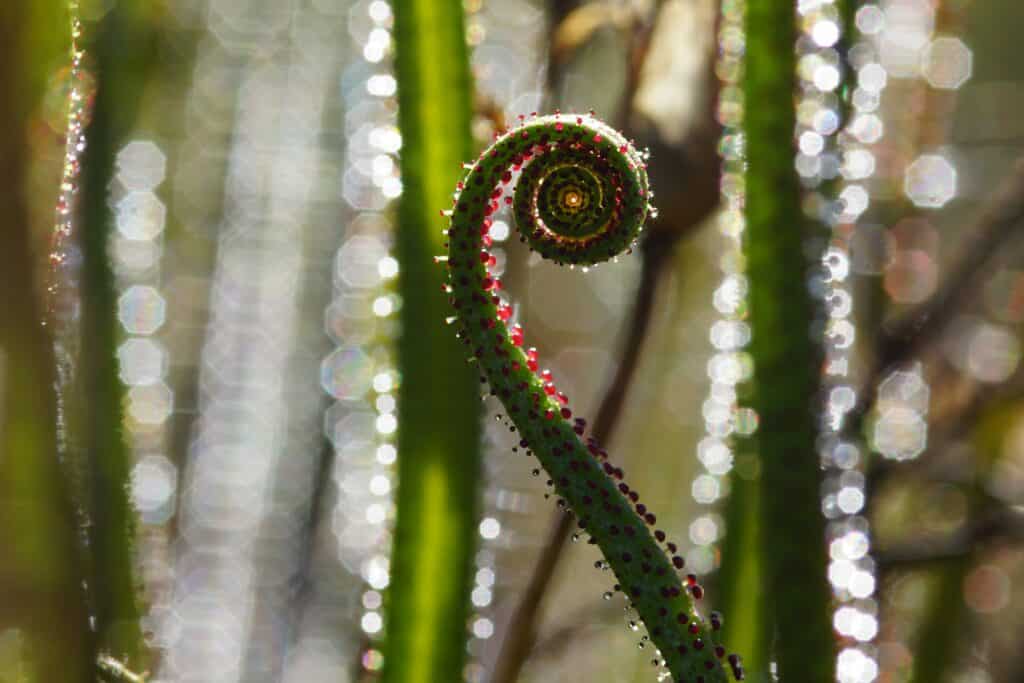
x,y
381,85
947,63
483,628
387,267
386,424
825,33
383,306
380,485
490,528
371,622
386,454
930,182
499,231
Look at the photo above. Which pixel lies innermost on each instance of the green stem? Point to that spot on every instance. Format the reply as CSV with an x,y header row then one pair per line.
x,y
940,638
439,403
942,625
795,591
122,48
740,575
42,606
582,198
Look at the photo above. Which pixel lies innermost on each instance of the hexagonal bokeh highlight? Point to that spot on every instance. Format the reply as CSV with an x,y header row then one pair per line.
x,y
993,353
141,215
141,310
347,373
141,165
930,182
154,481
350,320
947,63
358,259
905,388
141,361
900,434
150,404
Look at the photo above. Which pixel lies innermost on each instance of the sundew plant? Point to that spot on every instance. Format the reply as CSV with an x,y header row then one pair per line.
x,y
424,341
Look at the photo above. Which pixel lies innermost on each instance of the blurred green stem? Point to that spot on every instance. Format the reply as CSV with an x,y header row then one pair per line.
x,y
943,623
42,607
439,400
941,636
796,623
740,575
122,46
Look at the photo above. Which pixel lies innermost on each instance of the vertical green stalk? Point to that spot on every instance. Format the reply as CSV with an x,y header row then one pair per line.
x,y
940,639
740,575
122,47
439,403
943,624
795,591
42,607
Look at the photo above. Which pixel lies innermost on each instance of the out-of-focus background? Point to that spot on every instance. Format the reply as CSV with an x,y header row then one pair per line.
x,y
251,247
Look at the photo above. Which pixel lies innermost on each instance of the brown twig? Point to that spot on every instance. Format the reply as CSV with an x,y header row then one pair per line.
x,y
1001,524
641,32
949,428
904,338
590,620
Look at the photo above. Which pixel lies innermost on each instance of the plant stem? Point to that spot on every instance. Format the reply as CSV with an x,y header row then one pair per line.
x,y
942,624
439,430
122,47
940,637
739,575
522,630
795,592
42,605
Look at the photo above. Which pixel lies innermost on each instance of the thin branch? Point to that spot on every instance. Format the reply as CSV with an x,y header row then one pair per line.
x,y
641,32
946,430
589,621
1001,525
906,337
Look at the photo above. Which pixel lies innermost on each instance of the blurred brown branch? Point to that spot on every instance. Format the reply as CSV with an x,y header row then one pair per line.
x,y
905,337
948,427
1001,524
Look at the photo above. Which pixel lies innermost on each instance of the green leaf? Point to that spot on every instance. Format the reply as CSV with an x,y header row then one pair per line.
x,y
439,404
44,627
123,49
